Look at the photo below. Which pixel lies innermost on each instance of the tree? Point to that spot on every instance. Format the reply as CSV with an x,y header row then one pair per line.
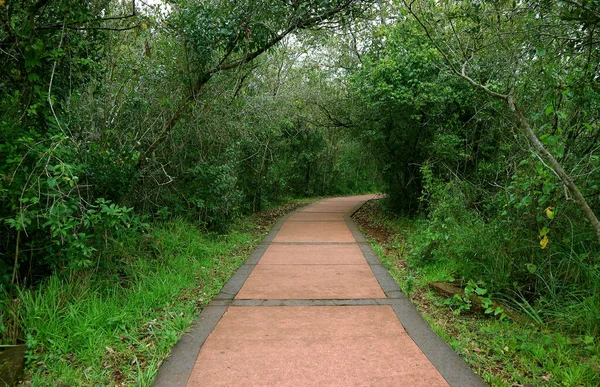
x,y
227,35
498,32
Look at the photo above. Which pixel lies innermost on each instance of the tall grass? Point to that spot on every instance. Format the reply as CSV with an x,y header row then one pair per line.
x,y
87,329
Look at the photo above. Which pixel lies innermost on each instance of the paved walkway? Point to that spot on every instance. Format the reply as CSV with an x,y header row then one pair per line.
x,y
313,306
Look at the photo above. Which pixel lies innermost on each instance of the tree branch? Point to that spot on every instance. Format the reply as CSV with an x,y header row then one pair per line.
x,y
71,26
525,127
205,77
556,166
53,27
583,7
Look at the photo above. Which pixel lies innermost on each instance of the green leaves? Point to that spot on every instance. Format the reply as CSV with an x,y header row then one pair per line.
x,y
480,292
51,182
531,267
19,223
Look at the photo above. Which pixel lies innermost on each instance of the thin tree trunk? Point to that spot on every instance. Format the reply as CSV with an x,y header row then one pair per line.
x,y
307,179
556,166
16,264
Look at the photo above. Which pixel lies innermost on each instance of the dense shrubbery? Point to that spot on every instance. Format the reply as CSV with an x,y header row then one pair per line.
x,y
492,207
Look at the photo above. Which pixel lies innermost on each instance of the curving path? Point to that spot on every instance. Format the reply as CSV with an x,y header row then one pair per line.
x,y
313,306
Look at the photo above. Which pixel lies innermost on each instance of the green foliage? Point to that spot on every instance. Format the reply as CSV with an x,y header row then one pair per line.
x,y
489,209
213,191
50,215
87,90
460,303
411,110
546,284
134,314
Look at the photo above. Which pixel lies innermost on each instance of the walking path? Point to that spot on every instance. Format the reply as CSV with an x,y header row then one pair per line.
x,y
313,306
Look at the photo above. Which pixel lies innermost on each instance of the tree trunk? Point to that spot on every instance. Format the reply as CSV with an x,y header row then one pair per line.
x,y
556,166
307,179
523,124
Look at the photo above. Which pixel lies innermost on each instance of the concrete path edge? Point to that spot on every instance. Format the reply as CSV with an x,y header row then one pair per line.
x,y
177,367
452,368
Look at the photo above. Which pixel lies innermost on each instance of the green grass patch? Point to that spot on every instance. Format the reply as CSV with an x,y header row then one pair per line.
x,y
115,327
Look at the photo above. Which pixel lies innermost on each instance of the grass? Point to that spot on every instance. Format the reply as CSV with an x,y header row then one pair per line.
x,y
115,329
504,353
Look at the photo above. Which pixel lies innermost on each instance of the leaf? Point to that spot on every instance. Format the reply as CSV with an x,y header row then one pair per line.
x,y
480,291
544,242
540,51
33,77
544,231
550,212
547,340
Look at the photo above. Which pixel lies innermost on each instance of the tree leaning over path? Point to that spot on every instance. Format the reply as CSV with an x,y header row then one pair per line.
x,y
467,55
250,30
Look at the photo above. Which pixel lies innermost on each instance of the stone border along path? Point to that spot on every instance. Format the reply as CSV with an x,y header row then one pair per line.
x,y
313,305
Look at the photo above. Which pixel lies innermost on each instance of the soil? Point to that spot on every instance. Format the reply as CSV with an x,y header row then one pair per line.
x,y
366,218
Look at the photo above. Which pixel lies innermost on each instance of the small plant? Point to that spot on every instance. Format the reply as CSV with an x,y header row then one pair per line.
x,y
497,311
477,289
409,285
458,304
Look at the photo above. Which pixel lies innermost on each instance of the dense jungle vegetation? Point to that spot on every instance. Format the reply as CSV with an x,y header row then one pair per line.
x,y
127,126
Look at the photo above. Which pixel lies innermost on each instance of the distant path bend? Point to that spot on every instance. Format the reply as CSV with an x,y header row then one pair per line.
x,y
313,306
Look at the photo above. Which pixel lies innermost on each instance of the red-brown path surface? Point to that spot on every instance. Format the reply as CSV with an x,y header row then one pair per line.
x,y
312,312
